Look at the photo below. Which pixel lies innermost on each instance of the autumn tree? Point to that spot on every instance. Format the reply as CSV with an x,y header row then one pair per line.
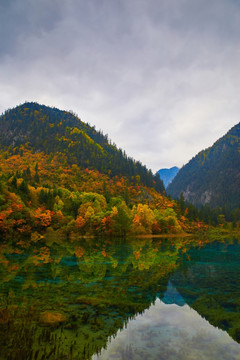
x,y
143,218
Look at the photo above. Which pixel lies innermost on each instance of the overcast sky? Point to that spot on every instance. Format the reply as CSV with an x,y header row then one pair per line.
x,y
160,77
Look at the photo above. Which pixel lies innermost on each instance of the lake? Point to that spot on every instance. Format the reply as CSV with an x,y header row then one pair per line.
x,y
175,298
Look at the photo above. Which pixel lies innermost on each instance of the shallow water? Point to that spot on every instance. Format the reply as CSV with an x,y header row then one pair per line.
x,y
137,299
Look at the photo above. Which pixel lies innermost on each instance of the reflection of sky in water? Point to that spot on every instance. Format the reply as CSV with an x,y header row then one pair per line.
x,y
170,332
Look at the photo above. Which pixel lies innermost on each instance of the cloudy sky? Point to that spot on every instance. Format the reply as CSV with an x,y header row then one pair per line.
x,y
160,77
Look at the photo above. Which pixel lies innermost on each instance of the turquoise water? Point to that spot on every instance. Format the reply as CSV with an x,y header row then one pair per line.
x,y
136,299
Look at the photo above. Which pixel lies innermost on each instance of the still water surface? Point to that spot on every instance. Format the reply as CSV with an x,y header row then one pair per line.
x,y
135,299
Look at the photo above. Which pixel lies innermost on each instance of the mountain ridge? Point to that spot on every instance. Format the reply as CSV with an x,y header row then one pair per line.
x,y
212,177
52,130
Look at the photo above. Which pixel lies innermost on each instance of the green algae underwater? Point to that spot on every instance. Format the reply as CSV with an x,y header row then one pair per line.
x,y
164,298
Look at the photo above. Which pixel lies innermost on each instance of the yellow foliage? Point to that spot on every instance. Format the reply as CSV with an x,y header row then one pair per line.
x,y
75,131
89,213
19,181
114,211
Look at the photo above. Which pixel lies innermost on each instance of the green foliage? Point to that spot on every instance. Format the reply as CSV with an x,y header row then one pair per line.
x,y
2,200
167,220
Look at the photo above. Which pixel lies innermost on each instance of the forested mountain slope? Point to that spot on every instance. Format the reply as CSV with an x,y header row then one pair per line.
x,y
55,131
59,178
213,176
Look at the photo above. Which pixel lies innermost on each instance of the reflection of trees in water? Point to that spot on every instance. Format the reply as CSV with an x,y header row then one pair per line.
x,y
209,283
64,301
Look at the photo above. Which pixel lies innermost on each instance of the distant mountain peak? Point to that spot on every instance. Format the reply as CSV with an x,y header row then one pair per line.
x,y
167,175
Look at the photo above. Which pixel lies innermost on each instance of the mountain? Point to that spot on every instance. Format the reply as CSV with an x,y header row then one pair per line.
x,y
60,178
212,177
167,175
52,130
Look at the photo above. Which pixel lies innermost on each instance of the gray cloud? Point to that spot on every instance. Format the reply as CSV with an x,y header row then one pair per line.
x,y
160,77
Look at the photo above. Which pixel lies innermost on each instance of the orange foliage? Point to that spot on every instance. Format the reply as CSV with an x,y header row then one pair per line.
x,y
137,254
107,224
156,229
136,220
103,252
80,222
79,251
43,256
51,318
43,217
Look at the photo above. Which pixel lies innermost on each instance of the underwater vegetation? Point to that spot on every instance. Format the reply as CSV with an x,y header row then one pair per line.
x,y
65,300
